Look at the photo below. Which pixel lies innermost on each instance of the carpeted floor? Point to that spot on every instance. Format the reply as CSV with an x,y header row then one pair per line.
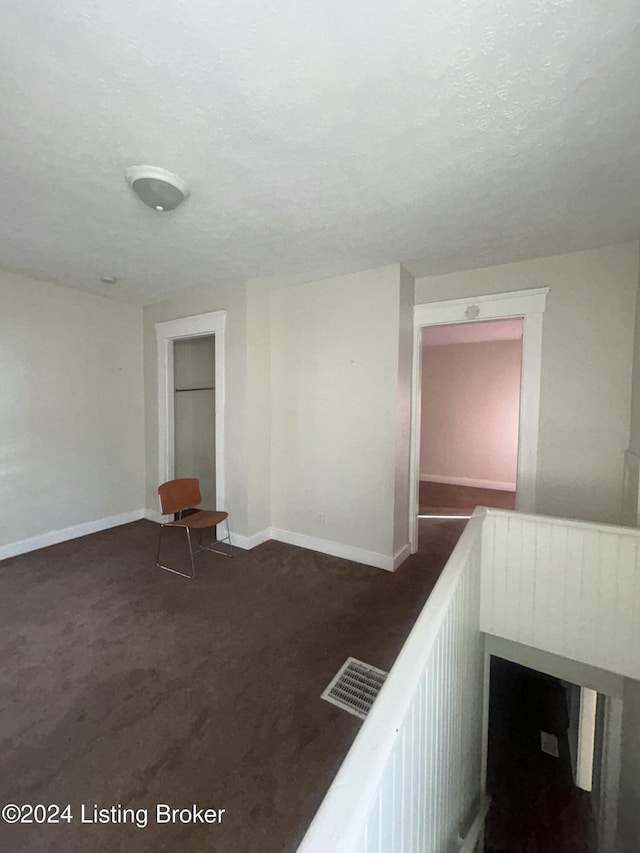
x,y
445,498
125,685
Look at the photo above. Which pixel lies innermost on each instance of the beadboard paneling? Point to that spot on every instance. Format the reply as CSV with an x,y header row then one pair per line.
x,y
412,779
566,587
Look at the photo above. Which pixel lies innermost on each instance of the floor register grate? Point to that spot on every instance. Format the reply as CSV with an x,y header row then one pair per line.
x,y
355,687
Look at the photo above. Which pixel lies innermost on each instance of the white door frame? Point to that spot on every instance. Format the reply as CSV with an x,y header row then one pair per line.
x,y
528,304
198,326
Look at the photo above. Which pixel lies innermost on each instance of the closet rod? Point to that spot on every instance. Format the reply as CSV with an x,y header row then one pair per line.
x,y
204,388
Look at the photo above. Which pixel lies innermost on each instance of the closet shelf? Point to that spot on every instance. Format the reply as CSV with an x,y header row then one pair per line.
x,y
203,388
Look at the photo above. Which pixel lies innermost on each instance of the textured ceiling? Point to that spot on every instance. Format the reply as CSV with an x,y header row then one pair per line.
x,y
316,137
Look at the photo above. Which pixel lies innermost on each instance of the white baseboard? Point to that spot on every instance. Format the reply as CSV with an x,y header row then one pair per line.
x,y
249,542
154,515
237,539
324,546
401,555
334,549
468,481
53,537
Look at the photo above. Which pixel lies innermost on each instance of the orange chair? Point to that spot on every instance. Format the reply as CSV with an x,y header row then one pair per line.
x,y
176,496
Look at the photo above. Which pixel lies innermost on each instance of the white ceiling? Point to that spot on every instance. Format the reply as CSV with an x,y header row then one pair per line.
x,y
473,333
317,137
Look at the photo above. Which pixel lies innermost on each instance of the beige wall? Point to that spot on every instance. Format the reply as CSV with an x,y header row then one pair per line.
x,y
629,794
470,413
317,397
71,420
586,369
258,449
317,405
335,358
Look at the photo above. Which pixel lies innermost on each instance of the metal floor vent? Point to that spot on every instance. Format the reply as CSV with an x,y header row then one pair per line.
x,y
355,687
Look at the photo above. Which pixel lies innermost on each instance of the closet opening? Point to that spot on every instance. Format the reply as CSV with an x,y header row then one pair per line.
x,y
191,403
194,413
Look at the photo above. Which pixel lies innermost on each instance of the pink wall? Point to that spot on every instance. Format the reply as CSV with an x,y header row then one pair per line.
x,y
470,400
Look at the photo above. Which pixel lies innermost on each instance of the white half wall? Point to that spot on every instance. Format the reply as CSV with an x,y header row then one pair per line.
x,y
564,587
412,780
71,420
587,346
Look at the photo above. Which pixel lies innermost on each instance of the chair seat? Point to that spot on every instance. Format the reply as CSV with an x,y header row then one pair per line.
x,y
200,519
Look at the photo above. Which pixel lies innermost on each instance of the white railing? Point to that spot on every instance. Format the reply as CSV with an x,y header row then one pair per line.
x,y
412,779
567,587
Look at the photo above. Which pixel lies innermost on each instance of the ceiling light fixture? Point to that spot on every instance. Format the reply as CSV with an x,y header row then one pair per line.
x,y
108,279
157,188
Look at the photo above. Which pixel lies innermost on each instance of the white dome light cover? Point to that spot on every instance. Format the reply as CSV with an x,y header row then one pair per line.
x,y
157,188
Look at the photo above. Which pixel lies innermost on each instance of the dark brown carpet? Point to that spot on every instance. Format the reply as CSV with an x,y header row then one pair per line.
x,y
443,497
123,684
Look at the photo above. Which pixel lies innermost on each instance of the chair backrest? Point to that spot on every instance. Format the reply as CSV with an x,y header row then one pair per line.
x,y
176,495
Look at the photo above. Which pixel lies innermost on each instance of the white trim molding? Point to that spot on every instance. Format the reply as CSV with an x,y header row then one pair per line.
x,y
528,304
247,543
401,555
155,516
322,546
53,537
490,306
469,844
496,485
197,326
337,549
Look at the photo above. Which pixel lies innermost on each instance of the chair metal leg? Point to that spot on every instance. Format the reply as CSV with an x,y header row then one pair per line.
x,y
193,568
168,568
159,543
224,553
227,539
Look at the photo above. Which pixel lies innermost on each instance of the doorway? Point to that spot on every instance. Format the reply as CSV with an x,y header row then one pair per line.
x,y
191,395
526,304
540,796
470,411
